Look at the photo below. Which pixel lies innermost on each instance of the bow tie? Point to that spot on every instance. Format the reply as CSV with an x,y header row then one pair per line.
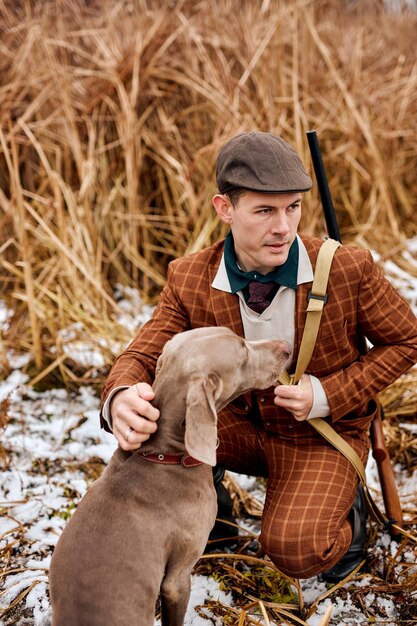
x,y
261,295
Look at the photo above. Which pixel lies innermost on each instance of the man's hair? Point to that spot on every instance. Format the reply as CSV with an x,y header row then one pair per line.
x,y
234,194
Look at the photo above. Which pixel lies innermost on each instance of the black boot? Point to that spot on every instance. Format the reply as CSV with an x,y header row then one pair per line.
x,y
222,534
356,552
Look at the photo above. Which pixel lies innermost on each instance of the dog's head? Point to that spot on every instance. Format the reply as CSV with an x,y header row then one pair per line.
x,y
216,365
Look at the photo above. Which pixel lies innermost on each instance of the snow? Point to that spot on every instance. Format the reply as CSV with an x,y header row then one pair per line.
x,y
5,316
203,589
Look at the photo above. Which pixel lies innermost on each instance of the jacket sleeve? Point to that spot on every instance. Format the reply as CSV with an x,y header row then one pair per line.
x,y
138,362
390,326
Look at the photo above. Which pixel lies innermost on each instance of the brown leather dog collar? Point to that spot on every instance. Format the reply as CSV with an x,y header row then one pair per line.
x,y
171,458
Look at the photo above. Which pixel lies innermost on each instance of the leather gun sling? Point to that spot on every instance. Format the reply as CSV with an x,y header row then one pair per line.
x,y
316,301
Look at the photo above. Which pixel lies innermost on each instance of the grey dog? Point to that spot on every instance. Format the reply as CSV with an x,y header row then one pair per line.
x,y
142,526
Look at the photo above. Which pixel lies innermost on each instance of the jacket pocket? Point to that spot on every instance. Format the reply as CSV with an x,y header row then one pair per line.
x,y
355,421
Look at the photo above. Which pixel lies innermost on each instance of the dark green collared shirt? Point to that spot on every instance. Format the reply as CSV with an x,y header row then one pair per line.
x,y
285,274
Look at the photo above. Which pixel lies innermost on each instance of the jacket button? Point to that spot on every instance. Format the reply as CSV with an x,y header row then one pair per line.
x,y
290,426
267,423
262,399
246,408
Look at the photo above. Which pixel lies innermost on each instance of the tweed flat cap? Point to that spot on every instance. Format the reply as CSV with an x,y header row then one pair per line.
x,y
262,162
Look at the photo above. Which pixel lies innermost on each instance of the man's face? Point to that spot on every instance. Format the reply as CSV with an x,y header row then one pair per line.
x,y
263,225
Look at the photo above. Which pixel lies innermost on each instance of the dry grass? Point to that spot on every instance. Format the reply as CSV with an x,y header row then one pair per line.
x,y
257,587
112,114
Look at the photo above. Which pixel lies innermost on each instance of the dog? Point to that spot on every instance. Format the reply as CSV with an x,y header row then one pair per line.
x,y
139,530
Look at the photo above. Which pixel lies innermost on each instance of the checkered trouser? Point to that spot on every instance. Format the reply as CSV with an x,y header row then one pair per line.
x,y
310,491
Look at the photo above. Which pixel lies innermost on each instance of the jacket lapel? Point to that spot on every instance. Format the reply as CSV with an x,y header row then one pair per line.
x,y
225,306
299,319
226,309
301,304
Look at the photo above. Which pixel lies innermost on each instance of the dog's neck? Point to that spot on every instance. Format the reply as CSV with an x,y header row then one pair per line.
x,y
171,403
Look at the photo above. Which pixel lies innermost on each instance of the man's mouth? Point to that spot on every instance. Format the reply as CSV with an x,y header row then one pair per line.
x,y
277,245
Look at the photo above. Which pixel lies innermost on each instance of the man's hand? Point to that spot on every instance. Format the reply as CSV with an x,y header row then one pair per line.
x,y
133,416
297,399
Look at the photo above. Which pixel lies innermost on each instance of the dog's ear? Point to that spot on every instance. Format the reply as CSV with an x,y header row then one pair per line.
x,y
158,365
201,417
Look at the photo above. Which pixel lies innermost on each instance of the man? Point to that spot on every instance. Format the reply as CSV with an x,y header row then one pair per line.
x,y
256,282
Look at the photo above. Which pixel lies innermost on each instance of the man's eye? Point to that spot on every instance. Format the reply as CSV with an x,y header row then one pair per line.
x,y
265,210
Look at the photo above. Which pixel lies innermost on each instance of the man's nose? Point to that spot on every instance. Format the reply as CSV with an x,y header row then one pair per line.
x,y
280,224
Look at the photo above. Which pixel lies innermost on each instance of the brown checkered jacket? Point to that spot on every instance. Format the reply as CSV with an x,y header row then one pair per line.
x,y
360,302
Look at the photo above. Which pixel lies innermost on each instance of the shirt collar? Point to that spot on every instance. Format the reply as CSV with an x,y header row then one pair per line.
x,y
285,274
304,273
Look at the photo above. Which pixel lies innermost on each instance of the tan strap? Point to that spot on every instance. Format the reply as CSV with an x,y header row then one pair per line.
x,y
316,301
317,298
329,433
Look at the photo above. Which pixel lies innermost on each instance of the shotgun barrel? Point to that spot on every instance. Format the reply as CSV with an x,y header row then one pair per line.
x,y
324,191
379,450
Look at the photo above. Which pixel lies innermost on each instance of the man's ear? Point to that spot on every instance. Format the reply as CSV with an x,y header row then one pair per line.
x,y
223,207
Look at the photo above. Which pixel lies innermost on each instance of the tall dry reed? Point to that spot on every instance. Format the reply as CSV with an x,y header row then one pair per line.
x,y
112,114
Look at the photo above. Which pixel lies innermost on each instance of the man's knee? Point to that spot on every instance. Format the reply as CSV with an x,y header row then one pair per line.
x,y
305,550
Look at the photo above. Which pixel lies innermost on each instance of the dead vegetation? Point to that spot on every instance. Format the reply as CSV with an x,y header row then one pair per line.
x,y
258,589
111,115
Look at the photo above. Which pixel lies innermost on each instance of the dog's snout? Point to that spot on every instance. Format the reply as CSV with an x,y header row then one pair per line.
x,y
277,347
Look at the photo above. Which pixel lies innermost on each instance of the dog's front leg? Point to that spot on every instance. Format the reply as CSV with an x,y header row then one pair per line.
x,y
175,593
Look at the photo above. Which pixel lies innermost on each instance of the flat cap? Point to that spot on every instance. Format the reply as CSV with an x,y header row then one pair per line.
x,y
262,162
